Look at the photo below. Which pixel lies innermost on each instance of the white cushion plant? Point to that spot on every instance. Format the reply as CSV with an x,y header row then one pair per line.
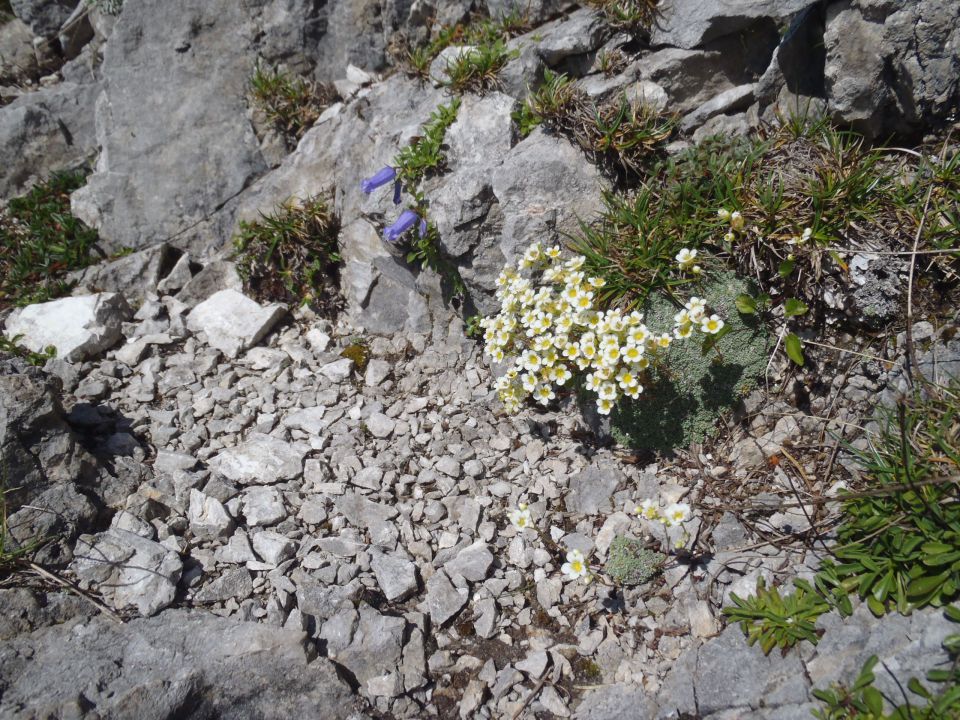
x,y
551,329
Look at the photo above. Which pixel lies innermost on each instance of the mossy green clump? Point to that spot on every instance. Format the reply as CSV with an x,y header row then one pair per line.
x,y
689,390
359,353
629,562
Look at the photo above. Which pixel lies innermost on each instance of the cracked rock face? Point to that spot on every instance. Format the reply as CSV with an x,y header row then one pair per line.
x,y
179,664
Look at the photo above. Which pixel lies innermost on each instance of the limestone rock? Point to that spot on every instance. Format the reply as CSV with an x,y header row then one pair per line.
x,y
396,575
691,23
178,664
78,327
261,460
192,57
43,16
444,600
208,518
129,569
233,322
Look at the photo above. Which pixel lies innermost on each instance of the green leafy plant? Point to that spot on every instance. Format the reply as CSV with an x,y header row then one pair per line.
x,y
12,554
690,389
780,621
41,241
9,345
632,15
620,136
291,255
630,562
610,62
899,545
290,103
108,7
424,156
484,33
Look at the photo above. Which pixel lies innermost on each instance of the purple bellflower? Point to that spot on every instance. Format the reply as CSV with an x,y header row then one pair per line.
x,y
407,219
384,176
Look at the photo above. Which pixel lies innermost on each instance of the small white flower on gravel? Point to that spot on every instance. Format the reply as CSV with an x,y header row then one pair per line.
x,y
676,514
520,517
647,509
575,567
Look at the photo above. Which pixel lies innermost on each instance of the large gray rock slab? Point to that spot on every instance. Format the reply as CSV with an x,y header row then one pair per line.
x,y
41,452
260,460
128,569
376,646
233,322
732,674
44,131
179,664
18,59
615,702
893,67
690,23
78,327
908,645
135,275
172,124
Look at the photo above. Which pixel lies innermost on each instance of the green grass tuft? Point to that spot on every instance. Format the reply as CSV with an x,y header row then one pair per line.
x,y
291,255
622,138
40,242
290,103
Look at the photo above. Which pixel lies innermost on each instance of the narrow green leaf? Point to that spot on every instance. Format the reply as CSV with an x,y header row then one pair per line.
x,y
925,585
746,304
794,307
917,688
786,267
794,348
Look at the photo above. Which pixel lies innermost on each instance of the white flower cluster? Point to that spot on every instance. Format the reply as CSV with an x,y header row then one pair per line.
x,y
576,567
736,221
673,514
553,330
687,261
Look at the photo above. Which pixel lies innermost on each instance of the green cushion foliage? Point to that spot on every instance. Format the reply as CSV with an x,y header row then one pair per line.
x,y
691,389
629,562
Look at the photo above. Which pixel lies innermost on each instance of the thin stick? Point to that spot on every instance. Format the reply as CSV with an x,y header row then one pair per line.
x,y
73,588
849,352
530,696
911,349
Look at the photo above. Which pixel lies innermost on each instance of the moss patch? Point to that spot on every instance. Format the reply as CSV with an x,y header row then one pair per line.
x,y
691,390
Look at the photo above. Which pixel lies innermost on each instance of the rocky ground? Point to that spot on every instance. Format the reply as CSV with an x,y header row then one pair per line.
x,y
253,510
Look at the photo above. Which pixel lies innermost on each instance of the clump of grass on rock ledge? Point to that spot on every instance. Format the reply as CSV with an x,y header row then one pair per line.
x,y
291,255
40,242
